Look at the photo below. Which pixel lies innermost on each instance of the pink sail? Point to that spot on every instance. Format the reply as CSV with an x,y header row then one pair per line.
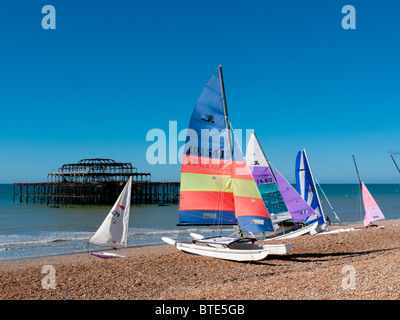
x,y
372,211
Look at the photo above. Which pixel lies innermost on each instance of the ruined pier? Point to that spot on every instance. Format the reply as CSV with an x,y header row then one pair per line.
x,y
96,181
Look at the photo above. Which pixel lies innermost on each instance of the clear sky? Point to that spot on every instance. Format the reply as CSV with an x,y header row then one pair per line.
x,y
113,70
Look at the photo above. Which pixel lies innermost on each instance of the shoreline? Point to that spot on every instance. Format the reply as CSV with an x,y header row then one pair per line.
x,y
331,227
341,225
314,269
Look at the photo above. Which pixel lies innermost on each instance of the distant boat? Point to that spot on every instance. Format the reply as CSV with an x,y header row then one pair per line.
x,y
372,210
113,232
217,187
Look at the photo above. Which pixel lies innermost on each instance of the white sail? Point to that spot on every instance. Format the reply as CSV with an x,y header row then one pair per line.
x,y
114,229
265,180
254,153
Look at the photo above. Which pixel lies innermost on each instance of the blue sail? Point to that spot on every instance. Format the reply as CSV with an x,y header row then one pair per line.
x,y
307,189
206,195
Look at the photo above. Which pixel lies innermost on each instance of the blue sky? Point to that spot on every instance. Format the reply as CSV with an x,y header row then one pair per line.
x,y
113,70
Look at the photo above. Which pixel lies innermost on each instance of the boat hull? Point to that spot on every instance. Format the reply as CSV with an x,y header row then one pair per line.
x,y
106,255
253,253
337,231
224,253
293,234
274,249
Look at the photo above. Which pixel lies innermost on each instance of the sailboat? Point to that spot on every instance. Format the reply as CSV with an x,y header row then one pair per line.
x,y
217,187
278,194
372,210
113,232
266,181
306,187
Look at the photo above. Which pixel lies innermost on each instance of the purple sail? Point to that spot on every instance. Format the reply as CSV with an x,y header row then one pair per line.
x,y
297,206
262,175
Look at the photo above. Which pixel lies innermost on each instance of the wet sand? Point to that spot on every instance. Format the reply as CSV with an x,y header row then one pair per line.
x,y
362,264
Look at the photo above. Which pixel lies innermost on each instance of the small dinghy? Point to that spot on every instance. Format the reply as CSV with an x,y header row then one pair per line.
x,y
113,232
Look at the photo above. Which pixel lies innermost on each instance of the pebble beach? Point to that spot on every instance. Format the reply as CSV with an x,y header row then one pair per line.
x,y
359,265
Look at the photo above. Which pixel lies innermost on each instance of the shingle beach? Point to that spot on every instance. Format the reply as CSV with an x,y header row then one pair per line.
x,y
362,264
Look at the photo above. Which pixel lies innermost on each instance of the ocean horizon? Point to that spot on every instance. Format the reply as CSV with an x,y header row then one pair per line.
x,y
30,230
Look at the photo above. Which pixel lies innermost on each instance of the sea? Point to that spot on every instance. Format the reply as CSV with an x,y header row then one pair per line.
x,y
32,230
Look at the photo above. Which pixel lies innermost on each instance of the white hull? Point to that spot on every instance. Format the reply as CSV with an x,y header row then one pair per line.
x,y
296,233
274,249
337,231
254,254
224,253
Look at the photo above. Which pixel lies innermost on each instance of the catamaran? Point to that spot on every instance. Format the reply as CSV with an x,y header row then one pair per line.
x,y
280,198
306,187
217,187
113,232
372,210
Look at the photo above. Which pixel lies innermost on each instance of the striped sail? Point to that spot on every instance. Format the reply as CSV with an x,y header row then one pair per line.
x,y
265,180
217,186
307,189
206,194
372,211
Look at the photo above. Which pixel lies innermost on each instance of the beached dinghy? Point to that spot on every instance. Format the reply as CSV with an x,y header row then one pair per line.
x,y
222,248
274,249
307,188
217,187
372,210
113,232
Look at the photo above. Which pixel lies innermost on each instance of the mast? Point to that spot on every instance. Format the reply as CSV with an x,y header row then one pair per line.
x,y
355,164
359,179
315,187
221,79
395,163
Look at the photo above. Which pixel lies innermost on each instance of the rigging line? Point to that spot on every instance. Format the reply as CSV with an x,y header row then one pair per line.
x,y
271,166
336,216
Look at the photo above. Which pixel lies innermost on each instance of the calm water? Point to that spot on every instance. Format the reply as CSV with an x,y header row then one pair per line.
x,y
35,230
